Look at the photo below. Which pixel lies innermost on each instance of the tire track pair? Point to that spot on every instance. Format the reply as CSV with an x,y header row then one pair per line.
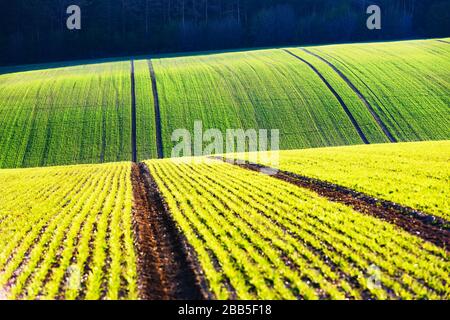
x,y
212,195
338,97
159,143
166,268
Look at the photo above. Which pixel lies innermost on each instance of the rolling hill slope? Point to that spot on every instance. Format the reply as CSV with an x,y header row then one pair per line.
x,y
261,90
145,112
316,97
79,114
75,232
261,238
346,221
407,84
414,174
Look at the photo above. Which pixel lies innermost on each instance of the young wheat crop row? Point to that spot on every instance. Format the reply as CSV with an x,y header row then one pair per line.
x,y
258,237
66,232
415,174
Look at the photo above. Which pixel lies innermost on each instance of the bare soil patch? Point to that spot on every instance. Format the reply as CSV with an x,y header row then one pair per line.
x,y
167,265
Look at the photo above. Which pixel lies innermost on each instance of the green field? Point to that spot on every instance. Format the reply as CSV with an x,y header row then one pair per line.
x,y
70,115
260,90
78,229
416,174
408,84
83,113
66,233
365,120
145,112
259,237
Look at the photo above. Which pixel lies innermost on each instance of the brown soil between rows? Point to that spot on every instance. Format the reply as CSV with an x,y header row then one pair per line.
x,y
427,227
167,266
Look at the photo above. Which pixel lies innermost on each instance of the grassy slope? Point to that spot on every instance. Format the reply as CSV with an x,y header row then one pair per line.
x,y
237,221
261,89
63,225
362,115
407,83
69,115
81,114
145,112
414,174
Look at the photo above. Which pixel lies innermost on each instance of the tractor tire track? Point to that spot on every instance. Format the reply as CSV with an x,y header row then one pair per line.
x,y
443,41
428,227
358,93
159,143
336,95
133,115
167,265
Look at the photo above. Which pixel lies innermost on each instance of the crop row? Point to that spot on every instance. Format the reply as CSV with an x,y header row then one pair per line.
x,y
258,237
414,174
66,232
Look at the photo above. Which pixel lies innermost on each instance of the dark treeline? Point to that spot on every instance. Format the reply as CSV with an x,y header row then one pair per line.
x,y
35,30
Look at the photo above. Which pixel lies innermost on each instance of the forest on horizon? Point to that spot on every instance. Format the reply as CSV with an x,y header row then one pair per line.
x,y
35,31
